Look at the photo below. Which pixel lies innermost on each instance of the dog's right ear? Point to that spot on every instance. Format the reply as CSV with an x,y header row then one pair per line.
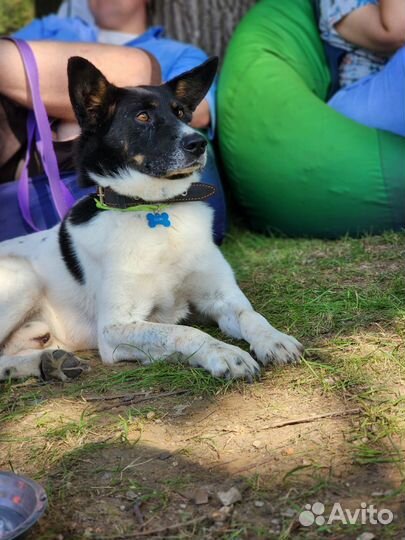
x,y
91,95
191,87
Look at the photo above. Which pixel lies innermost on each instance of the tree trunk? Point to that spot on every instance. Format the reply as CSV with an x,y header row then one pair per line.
x,y
208,23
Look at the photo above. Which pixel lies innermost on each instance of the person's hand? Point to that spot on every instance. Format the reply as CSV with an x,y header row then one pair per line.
x,y
201,116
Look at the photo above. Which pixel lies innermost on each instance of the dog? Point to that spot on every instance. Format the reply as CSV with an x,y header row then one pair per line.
x,y
133,260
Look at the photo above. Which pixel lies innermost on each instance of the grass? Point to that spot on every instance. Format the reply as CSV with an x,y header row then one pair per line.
x,y
162,375
345,300
159,376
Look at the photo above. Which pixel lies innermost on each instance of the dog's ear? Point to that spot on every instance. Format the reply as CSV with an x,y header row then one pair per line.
x,y
91,95
191,87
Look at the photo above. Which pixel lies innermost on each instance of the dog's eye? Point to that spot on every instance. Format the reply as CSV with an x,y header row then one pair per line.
x,y
179,112
143,117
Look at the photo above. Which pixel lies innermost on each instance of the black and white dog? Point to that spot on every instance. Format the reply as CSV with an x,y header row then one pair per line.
x,y
131,261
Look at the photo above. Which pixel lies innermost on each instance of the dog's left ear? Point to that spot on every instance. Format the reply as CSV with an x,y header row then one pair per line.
x,y
191,87
91,95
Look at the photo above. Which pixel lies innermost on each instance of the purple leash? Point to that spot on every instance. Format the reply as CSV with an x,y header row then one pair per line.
x,y
38,126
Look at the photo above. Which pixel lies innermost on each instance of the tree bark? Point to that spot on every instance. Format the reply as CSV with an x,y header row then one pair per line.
x,y
206,23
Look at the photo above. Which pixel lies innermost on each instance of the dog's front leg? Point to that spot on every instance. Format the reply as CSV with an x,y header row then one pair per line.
x,y
147,341
216,294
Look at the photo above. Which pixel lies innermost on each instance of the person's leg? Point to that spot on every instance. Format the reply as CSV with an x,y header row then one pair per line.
x,y
210,175
377,101
123,66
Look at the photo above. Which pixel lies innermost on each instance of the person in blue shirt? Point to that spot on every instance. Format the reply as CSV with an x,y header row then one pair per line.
x,y
371,35
115,38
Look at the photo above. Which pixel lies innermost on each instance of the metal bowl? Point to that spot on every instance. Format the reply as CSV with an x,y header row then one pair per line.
x,y
22,503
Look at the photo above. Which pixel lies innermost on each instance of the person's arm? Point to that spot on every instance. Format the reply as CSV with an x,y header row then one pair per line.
x,y
201,116
380,28
122,66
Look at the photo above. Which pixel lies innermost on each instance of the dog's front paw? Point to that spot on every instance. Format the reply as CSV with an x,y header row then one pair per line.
x,y
227,361
273,347
61,365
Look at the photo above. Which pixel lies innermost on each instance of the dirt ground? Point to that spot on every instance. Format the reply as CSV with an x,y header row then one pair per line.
x,y
166,466
133,452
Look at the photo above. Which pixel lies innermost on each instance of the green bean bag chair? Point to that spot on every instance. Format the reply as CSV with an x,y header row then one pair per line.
x,y
295,165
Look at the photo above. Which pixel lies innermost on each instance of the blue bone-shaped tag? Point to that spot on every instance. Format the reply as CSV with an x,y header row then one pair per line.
x,y
158,219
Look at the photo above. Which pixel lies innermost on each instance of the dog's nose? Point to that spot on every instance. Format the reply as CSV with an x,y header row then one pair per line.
x,y
195,144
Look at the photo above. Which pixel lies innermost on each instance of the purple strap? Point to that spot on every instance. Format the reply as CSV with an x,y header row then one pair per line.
x,y
38,125
23,186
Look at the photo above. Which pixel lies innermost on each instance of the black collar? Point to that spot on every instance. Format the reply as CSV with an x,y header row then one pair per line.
x,y
198,191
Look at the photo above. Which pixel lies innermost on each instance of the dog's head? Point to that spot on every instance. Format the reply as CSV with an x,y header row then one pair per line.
x,y
141,131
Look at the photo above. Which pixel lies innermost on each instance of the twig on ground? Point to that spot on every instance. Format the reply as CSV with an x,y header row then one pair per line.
x,y
308,419
136,400
152,532
253,466
118,396
206,416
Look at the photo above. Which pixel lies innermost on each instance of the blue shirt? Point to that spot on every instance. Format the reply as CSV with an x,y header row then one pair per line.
x,y
173,56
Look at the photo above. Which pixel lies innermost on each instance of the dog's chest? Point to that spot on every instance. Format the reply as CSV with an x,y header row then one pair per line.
x,y
152,245
130,257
